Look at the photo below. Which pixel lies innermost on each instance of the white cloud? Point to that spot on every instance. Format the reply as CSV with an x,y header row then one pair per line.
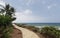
x,y
23,15
26,16
50,6
27,12
2,2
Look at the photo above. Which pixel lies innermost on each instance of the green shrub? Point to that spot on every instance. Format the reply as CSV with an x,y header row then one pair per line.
x,y
5,35
51,32
6,18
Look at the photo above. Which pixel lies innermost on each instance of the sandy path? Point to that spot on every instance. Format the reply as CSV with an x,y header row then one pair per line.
x,y
26,33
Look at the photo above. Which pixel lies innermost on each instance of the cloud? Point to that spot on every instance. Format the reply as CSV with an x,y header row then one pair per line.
x,y
50,6
26,16
27,12
23,15
2,2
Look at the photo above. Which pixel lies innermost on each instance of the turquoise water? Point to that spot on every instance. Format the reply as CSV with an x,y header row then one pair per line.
x,y
40,25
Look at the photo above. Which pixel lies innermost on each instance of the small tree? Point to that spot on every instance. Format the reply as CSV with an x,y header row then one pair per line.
x,y
6,15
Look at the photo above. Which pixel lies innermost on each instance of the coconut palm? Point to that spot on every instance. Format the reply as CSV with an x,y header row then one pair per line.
x,y
6,18
7,11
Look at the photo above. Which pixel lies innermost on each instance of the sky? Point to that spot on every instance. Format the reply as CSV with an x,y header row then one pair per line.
x,y
35,11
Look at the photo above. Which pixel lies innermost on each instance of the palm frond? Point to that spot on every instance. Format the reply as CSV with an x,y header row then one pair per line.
x,y
2,6
2,10
12,9
7,7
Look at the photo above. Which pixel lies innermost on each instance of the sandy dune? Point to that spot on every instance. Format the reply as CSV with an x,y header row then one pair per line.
x,y
26,33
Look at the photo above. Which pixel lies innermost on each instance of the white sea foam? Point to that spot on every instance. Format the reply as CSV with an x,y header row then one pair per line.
x,y
58,27
39,26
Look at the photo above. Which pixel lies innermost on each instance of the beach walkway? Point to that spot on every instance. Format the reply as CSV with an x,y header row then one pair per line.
x,y
26,33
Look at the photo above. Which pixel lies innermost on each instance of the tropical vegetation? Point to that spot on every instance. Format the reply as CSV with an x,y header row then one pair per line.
x,y
46,32
6,18
50,32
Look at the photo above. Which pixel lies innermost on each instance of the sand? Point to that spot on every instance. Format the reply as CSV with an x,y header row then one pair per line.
x,y
26,33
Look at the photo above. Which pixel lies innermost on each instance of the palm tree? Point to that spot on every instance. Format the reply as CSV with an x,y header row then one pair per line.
x,y
6,18
9,11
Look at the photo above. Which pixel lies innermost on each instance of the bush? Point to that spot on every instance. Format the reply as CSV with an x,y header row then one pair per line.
x,y
51,32
5,35
5,20
6,32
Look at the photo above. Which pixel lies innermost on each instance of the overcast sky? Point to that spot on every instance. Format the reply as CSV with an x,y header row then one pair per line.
x,y
36,11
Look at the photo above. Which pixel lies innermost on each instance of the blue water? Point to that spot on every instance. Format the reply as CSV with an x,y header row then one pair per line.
x,y
43,24
40,25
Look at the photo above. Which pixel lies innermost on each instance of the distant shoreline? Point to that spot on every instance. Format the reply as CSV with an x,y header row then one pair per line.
x,y
40,25
58,27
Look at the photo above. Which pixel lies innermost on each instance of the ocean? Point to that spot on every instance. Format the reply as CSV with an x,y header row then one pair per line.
x,y
43,24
